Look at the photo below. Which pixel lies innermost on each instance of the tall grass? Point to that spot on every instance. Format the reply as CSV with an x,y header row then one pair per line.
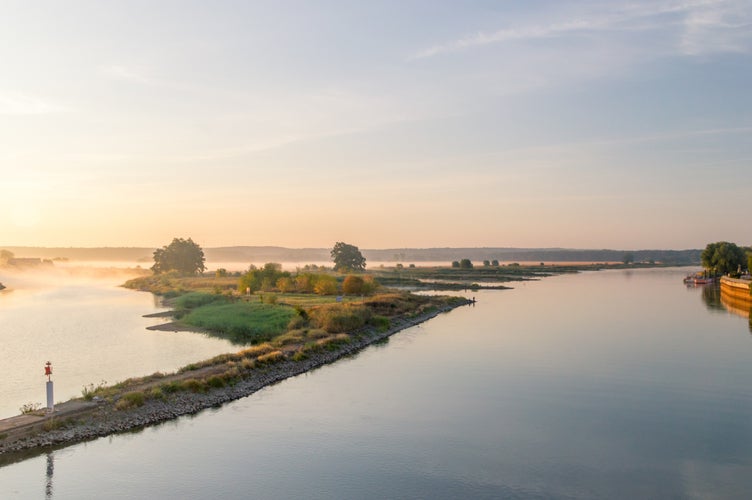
x,y
193,300
242,322
337,318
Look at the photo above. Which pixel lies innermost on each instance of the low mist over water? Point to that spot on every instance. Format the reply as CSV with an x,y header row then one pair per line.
x,y
89,328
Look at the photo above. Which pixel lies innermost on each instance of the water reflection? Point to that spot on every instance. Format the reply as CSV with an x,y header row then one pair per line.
x,y
737,305
716,300
50,473
711,296
626,387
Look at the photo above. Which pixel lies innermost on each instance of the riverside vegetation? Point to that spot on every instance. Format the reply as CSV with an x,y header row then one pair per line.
x,y
287,324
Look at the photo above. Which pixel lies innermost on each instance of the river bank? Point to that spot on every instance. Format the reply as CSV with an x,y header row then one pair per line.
x,y
101,418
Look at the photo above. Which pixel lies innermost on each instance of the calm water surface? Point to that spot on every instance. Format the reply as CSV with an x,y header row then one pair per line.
x,y
598,385
90,329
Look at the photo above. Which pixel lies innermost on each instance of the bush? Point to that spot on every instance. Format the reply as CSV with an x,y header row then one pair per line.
x,y
194,385
130,400
352,285
270,299
285,284
337,318
215,381
157,393
325,285
381,323
171,387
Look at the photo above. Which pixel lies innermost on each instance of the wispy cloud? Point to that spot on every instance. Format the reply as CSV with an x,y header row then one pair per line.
x,y
505,35
699,27
717,27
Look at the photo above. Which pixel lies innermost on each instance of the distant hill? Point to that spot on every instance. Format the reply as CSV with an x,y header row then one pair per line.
x,y
406,255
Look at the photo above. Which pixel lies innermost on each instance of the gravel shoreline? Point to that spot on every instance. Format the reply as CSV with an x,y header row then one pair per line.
x,y
105,420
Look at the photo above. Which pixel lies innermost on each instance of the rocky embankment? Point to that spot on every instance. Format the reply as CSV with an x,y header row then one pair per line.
x,y
103,419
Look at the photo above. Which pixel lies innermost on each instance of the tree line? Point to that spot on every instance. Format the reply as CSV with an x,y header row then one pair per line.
x,y
723,257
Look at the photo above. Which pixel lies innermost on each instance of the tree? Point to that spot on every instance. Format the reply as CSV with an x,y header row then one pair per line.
x,y
486,263
183,256
495,263
455,263
265,278
5,257
347,258
466,264
325,285
628,258
285,284
722,257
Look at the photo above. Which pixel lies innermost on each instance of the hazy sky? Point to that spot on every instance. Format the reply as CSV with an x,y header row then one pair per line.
x,y
587,124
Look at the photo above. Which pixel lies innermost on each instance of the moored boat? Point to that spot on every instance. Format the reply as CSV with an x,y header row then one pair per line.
x,y
698,279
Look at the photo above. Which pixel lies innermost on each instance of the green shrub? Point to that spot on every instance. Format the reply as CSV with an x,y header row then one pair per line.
x,y
171,387
130,400
194,385
325,285
215,381
381,323
157,393
231,375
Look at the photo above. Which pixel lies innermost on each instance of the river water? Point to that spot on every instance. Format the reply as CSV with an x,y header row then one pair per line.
x,y
89,328
611,384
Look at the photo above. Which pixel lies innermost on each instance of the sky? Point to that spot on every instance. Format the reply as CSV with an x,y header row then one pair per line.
x,y
389,124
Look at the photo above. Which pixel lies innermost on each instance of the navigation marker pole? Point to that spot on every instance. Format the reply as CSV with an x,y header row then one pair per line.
x,y
50,389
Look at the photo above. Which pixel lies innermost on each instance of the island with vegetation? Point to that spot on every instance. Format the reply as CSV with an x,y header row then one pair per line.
x,y
284,323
